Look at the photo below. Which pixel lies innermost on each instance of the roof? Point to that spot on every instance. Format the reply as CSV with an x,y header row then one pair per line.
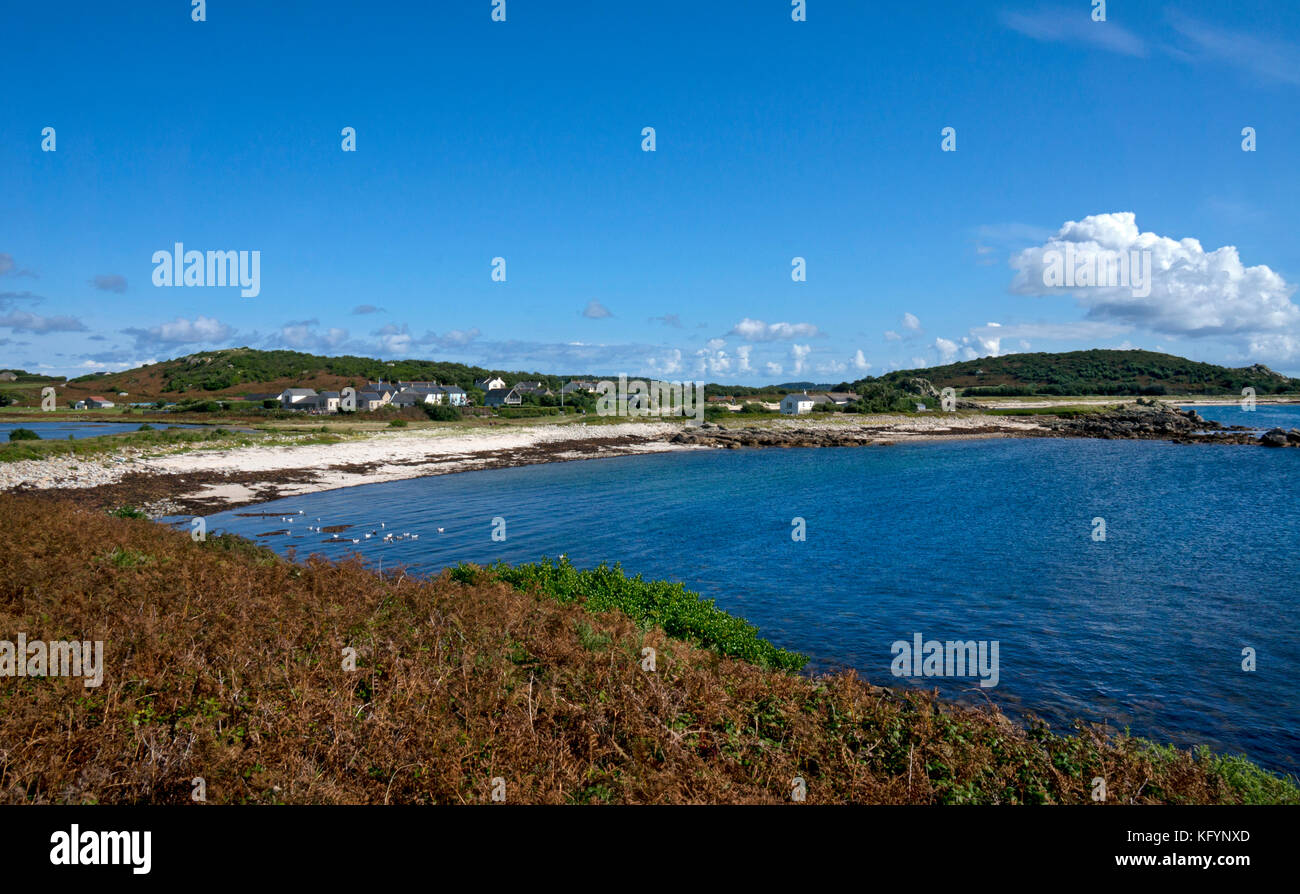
x,y
801,397
327,394
298,392
97,397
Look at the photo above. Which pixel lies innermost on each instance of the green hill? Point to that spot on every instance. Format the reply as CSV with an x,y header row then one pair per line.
x,y
234,371
1095,372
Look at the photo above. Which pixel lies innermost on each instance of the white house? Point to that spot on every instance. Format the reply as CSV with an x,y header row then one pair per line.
x,y
298,398
328,401
95,402
794,404
490,384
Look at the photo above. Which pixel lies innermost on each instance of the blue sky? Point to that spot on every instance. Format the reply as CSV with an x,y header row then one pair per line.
x,y
775,139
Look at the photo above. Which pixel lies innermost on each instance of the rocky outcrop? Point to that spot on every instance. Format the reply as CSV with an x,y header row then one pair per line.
x,y
1156,420
925,388
711,435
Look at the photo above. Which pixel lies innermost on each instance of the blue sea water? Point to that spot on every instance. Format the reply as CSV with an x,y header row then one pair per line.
x,y
973,540
1262,418
60,430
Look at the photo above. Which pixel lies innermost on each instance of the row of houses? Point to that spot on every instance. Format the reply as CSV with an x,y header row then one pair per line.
x,y
501,396
374,396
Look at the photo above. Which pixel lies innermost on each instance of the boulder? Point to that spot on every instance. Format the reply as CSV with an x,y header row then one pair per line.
x,y
1274,437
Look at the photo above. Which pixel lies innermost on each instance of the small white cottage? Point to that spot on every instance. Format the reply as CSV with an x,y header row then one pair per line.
x,y
794,404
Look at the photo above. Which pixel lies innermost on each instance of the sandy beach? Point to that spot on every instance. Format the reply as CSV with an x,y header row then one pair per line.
x,y
174,482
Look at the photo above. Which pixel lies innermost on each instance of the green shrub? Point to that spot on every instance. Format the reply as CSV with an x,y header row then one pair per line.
x,y
680,612
23,434
442,413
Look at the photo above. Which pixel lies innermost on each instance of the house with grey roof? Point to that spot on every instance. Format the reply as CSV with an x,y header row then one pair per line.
x,y
370,400
414,397
298,398
328,401
503,397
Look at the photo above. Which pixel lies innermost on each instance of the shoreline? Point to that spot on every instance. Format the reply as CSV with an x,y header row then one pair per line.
x,y
184,481
180,482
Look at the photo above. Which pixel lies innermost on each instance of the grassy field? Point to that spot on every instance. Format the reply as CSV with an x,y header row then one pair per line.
x,y
227,663
169,440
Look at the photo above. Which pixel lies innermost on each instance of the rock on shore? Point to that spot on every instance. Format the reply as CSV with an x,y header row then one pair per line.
x,y
1155,420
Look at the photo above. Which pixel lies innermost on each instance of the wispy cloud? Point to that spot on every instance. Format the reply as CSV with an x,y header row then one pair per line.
x,y
1074,25
595,310
9,267
1272,60
26,321
109,282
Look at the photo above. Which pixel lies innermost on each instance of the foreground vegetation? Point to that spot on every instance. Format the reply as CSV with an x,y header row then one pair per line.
x,y
226,663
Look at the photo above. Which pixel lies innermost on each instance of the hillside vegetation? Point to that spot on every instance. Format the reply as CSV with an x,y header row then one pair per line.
x,y
1105,372
234,371
224,662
